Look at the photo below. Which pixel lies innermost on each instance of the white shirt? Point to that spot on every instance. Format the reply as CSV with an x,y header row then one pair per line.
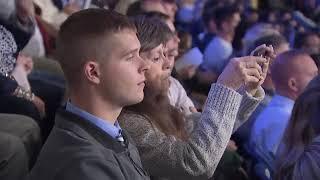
x,y
178,97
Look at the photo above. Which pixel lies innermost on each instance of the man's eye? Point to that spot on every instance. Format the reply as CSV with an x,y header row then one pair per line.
x,y
130,57
156,59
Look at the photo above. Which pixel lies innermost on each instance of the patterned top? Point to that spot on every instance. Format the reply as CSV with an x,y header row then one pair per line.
x,y
8,48
167,157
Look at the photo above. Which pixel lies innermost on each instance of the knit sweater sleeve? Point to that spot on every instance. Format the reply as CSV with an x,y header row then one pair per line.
x,y
248,105
167,156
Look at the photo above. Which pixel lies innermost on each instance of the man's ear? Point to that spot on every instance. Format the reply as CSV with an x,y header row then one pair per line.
x,y
92,72
292,83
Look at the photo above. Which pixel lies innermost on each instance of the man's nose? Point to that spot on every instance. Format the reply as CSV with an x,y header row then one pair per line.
x,y
144,65
176,38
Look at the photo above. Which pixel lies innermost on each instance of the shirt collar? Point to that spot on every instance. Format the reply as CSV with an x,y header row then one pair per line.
x,y
114,130
282,101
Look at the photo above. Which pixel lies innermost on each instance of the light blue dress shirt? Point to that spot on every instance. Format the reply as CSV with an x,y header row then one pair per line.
x,y
216,55
269,127
114,130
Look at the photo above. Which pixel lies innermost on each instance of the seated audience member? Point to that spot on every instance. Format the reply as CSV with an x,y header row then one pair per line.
x,y
171,144
19,94
280,45
219,50
177,94
16,93
210,28
87,141
298,155
291,71
309,42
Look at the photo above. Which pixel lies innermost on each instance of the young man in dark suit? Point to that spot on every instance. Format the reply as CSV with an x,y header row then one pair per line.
x,y
99,53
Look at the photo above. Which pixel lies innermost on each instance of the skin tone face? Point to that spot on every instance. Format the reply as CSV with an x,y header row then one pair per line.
x,y
121,78
312,44
172,46
230,25
158,74
282,48
235,20
170,8
305,73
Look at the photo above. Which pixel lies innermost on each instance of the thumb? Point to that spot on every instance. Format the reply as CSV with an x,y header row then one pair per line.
x,y
193,109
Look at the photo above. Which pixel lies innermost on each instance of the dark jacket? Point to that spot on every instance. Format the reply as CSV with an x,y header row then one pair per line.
x,y
77,149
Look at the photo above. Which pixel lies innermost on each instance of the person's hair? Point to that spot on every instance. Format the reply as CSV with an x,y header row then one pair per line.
x,y
155,14
276,40
151,32
185,42
208,13
81,38
302,128
162,115
134,9
316,58
300,39
224,13
111,4
255,32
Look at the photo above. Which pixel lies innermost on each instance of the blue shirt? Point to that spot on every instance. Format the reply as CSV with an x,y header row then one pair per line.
x,y
269,127
217,54
113,130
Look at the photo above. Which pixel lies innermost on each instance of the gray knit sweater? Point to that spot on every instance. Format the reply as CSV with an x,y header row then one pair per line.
x,y
166,157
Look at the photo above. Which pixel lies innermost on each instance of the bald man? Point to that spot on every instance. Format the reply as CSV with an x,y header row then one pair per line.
x,y
291,71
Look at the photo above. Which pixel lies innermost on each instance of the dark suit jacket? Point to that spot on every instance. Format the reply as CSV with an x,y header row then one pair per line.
x,y
78,150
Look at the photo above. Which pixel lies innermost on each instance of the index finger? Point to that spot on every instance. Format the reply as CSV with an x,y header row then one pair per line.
x,y
257,50
258,59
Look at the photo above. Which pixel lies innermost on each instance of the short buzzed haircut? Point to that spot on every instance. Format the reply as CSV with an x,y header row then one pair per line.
x,y
282,66
82,37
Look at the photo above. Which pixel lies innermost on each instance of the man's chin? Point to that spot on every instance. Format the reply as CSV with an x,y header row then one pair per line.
x,y
137,100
